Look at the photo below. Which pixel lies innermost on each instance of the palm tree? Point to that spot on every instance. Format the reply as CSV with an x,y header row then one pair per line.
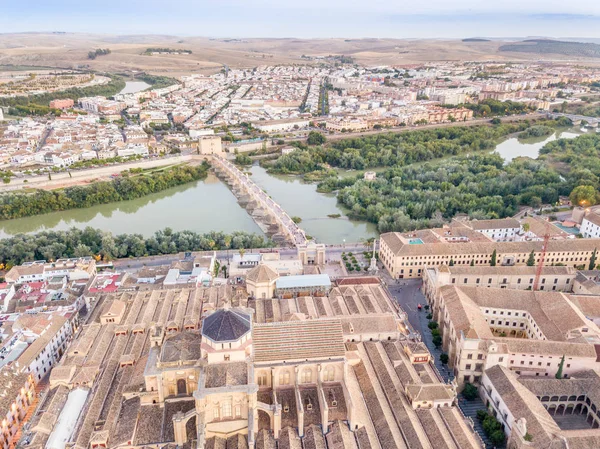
x,y
242,251
224,271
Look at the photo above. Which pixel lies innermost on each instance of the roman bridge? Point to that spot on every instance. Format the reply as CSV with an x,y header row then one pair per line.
x,y
269,215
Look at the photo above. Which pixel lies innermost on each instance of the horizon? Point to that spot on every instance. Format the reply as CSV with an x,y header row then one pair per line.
x,y
310,20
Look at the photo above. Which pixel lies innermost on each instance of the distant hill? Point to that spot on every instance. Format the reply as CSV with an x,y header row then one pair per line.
x,y
546,46
475,39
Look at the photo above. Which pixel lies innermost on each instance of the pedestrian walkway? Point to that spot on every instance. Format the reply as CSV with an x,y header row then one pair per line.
x,y
296,234
469,409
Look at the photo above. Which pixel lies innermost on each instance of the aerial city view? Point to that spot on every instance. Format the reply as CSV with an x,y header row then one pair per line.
x,y
317,225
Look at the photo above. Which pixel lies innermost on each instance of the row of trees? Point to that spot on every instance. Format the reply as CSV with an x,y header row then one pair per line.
x,y
98,52
51,245
400,149
33,109
17,205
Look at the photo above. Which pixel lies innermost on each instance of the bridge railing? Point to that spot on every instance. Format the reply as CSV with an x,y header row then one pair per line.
x,y
297,234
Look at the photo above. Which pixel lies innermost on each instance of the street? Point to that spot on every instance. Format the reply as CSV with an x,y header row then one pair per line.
x,y
334,253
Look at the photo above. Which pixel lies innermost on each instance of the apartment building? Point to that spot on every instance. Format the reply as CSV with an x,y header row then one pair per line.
x,y
408,257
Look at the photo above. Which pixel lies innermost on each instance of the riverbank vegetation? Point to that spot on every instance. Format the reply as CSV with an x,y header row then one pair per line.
x,y
125,187
536,131
51,245
578,159
427,195
156,81
399,149
481,185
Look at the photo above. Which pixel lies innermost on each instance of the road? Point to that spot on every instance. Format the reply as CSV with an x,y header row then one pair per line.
x,y
334,253
407,293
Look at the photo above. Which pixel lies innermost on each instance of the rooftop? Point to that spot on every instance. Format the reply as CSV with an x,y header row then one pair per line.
x,y
226,325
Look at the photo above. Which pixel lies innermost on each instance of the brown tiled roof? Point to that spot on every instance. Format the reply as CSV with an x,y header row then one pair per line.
x,y
502,223
399,248
261,273
298,340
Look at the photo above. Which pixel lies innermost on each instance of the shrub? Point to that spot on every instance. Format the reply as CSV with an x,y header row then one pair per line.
x,y
470,392
437,341
444,358
426,307
481,414
435,332
497,437
432,325
429,316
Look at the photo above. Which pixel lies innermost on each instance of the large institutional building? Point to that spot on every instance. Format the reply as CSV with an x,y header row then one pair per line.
x,y
306,365
406,256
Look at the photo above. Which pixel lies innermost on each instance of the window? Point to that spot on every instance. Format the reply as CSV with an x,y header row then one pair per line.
x,y
284,378
330,374
216,413
262,379
227,410
306,376
470,356
238,411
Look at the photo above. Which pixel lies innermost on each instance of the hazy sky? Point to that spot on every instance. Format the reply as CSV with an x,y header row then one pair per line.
x,y
307,18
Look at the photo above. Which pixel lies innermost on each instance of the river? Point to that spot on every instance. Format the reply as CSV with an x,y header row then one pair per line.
x,y
302,200
513,147
209,205
201,206
132,87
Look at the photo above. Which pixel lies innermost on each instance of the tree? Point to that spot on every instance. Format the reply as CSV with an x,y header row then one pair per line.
x,y
493,259
315,138
559,373
470,392
472,262
432,325
242,251
584,196
444,358
224,271
592,261
531,259
437,341
451,263
526,227
217,268
497,437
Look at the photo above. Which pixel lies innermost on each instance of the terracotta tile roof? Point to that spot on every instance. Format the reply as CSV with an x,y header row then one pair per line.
x,y
298,340
261,273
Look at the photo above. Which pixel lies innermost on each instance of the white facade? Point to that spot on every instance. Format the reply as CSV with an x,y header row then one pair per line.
x,y
281,125
590,226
